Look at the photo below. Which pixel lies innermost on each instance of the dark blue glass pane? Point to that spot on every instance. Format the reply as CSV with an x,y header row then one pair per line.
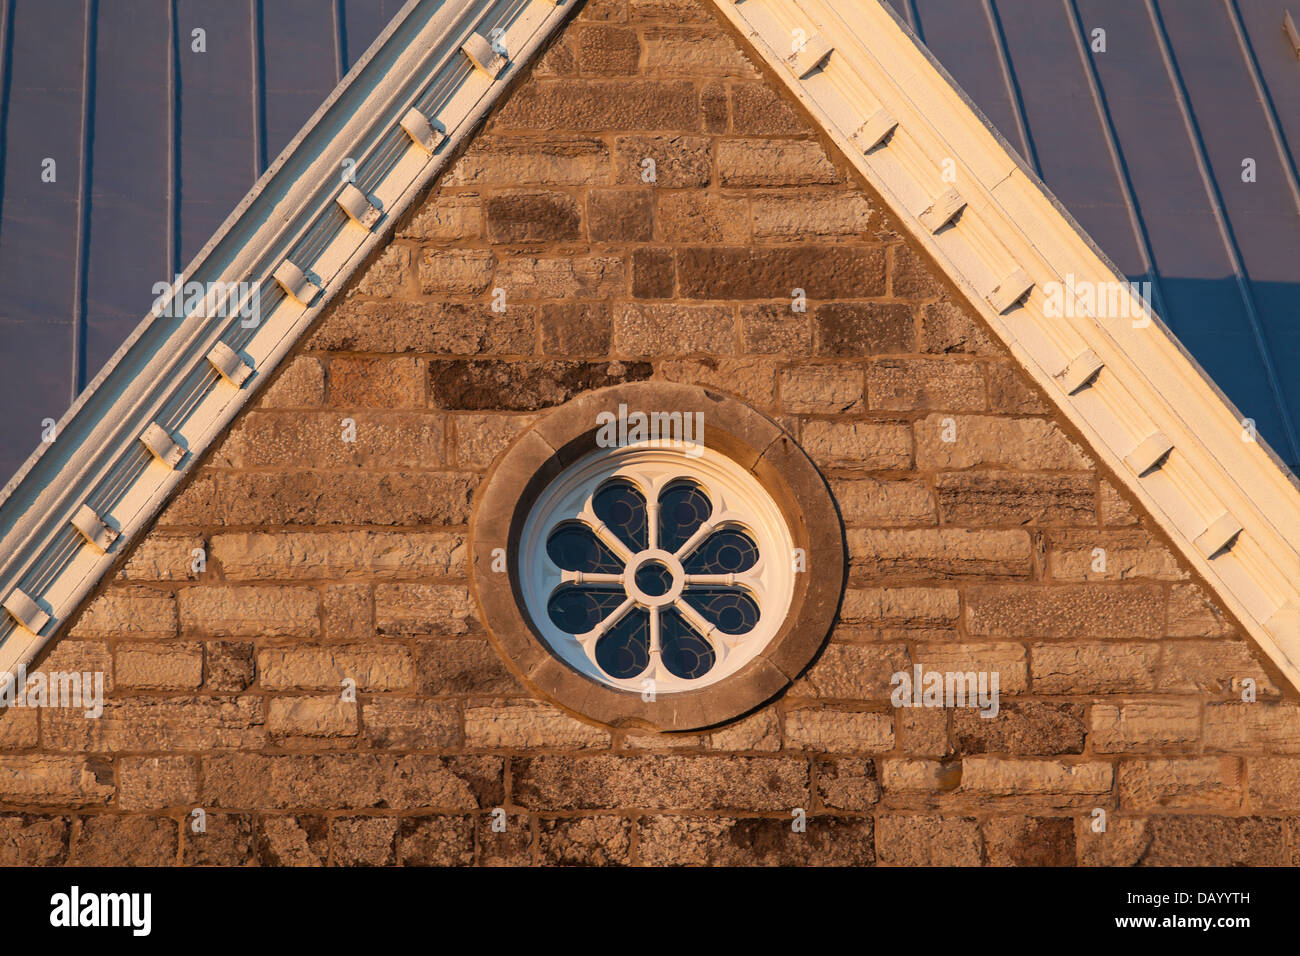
x,y
685,653
730,610
682,509
575,547
625,651
577,609
622,508
728,551
654,578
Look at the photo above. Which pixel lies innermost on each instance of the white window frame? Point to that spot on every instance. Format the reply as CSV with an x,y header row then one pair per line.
x,y
738,500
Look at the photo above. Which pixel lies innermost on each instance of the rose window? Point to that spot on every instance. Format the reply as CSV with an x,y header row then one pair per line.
x,y
655,569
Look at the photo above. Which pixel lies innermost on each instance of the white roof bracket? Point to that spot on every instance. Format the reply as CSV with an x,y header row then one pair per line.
x,y
94,529
943,210
26,611
1221,533
1010,291
421,131
295,282
229,365
875,130
162,446
1150,453
359,207
488,58
1080,373
810,55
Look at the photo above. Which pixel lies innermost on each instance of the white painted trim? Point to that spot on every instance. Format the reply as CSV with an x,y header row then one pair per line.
x,y
177,383
1123,381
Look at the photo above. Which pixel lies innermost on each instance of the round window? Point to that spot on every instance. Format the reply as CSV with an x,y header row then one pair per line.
x,y
656,583
651,569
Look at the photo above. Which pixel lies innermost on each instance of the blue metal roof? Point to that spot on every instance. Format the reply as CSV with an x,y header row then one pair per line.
x,y
1144,144
155,144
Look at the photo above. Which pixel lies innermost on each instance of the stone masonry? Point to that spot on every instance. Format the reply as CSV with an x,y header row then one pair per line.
x,y
330,560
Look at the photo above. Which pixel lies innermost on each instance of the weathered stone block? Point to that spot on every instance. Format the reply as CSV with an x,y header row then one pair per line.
x,y
1068,610
822,389
172,666
526,724
155,783
1032,727
1013,443
115,840
253,556
928,840
546,216
763,162
917,384
409,723
1145,725
1180,782
839,731
373,667
586,841
758,272
866,446
940,552
1079,667
320,717
644,330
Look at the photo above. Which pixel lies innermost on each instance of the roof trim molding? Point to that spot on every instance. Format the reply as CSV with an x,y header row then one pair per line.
x,y
169,392
1120,377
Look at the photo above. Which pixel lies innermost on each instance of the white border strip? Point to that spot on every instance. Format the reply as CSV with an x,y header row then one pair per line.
x,y
1124,382
178,383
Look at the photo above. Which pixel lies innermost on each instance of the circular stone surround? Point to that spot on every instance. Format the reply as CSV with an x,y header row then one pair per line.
x,y
556,463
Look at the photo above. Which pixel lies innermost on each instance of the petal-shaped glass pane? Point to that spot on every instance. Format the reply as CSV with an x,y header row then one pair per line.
x,y
574,547
624,652
683,507
621,506
729,551
685,653
579,608
730,610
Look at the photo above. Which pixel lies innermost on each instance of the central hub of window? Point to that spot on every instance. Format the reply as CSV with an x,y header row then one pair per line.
x,y
647,568
654,578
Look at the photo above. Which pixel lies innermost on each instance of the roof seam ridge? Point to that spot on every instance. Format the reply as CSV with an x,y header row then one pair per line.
x,y
1226,232
1138,221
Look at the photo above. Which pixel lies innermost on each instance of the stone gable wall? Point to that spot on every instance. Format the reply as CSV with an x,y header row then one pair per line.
x,y
329,559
